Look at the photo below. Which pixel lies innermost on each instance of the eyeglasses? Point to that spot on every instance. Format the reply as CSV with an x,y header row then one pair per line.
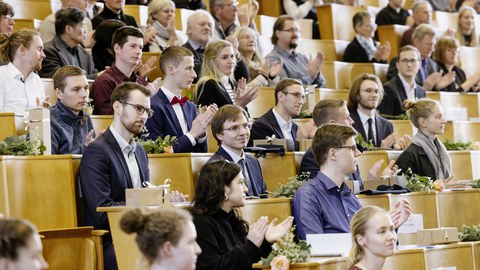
x,y
292,30
141,110
351,147
409,61
237,129
8,17
297,96
233,4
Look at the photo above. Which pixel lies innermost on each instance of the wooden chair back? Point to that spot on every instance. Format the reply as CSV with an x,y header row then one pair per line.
x,y
392,34
466,131
468,59
465,164
157,72
406,259
467,100
30,9
368,158
181,17
332,49
264,102
139,12
458,255
26,23
177,167
453,205
101,122
402,127
284,168
273,208
335,23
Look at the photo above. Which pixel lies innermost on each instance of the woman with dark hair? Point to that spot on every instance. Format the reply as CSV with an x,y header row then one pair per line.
x,y
166,237
6,18
102,52
20,246
227,240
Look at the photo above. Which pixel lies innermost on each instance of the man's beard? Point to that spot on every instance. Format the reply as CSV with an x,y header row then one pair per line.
x,y
292,45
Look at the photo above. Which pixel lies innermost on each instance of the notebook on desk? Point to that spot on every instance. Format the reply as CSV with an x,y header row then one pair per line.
x,y
330,244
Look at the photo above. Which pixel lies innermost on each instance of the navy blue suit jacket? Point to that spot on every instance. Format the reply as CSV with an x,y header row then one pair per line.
x,y
395,95
355,53
383,127
267,125
253,167
104,176
165,122
309,164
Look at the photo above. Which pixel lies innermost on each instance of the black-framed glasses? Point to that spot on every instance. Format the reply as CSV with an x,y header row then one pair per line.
x,y
141,110
297,96
8,17
237,128
351,147
409,61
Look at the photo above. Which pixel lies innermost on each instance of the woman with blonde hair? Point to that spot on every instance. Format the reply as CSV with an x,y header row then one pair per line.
x,y
263,72
166,237
466,31
217,84
374,239
426,156
161,16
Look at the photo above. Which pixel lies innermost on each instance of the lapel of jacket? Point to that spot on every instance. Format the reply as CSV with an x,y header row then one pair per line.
x,y
357,124
170,112
62,51
274,124
402,93
118,152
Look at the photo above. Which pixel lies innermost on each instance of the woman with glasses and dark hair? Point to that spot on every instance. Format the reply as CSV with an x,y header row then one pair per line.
x,y
226,239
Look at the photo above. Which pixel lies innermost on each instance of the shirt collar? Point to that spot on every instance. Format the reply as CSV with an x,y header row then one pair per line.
x,y
364,118
121,141
194,44
133,77
330,185
283,52
16,74
170,95
406,85
282,123
233,155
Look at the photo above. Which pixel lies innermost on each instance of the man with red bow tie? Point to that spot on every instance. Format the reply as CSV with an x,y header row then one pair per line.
x,y
176,115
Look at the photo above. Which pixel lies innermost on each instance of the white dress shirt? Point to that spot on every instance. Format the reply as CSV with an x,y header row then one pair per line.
x,y
128,150
364,119
285,126
409,89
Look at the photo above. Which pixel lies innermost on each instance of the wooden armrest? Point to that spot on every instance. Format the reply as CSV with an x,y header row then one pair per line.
x,y
99,232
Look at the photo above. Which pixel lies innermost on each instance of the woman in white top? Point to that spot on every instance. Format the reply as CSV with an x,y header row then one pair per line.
x,y
161,16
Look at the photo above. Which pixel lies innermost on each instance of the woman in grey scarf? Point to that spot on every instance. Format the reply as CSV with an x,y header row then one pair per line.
x,y
426,156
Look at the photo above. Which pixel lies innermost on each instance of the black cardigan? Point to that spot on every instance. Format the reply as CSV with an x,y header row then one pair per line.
x,y
414,157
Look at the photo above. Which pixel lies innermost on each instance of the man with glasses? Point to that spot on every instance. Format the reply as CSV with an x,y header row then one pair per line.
x,y
285,40
403,85
231,129
325,204
289,100
226,12
6,19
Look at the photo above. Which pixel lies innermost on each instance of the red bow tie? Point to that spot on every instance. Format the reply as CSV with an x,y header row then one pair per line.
x,y
180,101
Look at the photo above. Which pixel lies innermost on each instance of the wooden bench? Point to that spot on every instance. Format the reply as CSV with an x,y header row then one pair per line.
x,y
101,122
406,260
458,255
467,100
468,59
332,49
12,124
466,131
177,167
392,34
277,169
181,17
465,165
264,102
273,208
26,23
139,12
368,158
340,75
30,9
335,21
456,208
157,72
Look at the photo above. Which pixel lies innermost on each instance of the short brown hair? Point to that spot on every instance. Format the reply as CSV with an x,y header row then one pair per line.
x,y
283,84
173,55
278,25
330,136
423,30
358,18
121,35
354,94
121,93
14,234
10,44
407,48
326,110
442,46
422,108
226,113
6,9
64,72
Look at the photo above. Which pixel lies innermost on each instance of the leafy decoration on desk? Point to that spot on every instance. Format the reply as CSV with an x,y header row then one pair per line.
x,y
458,145
21,146
469,233
304,114
157,146
363,143
402,116
294,252
417,183
288,189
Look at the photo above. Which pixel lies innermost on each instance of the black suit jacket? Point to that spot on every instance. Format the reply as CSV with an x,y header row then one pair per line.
x,y
394,96
253,167
309,164
267,125
460,78
104,176
57,56
211,92
431,67
383,127
355,53
165,122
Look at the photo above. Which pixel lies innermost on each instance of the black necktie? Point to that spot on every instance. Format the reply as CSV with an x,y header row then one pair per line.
x,y
200,50
371,137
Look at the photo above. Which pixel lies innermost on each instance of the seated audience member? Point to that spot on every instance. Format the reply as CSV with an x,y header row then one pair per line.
x,y
6,18
325,204
305,9
102,52
295,65
289,99
161,16
443,5
21,246
127,44
426,156
231,130
65,49
71,127
92,9
174,115
466,32
422,14
363,48
365,94
393,13
336,111
113,9
226,239
429,74
21,89
403,85
217,84
446,54
165,236
190,4
373,237
48,29
261,72
226,13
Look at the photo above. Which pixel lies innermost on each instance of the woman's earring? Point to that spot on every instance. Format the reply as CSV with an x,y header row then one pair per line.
x,y
226,197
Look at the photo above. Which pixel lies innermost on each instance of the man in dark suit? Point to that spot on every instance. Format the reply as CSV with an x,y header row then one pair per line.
x,y
403,85
65,48
365,94
174,115
231,130
115,161
289,99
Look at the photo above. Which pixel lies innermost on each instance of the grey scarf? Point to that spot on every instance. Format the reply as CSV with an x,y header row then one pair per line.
x,y
436,153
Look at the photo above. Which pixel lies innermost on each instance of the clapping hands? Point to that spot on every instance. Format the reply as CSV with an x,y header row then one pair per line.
x,y
272,232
